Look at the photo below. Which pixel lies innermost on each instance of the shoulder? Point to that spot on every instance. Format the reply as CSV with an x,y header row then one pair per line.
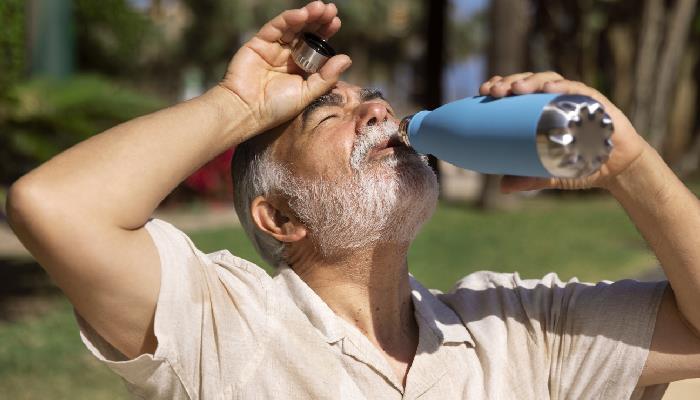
x,y
507,295
186,269
176,246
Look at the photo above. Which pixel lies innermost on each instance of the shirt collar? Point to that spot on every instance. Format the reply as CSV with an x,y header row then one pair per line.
x,y
431,313
316,310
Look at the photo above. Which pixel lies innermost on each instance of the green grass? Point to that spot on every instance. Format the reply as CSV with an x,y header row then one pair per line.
x,y
43,358
589,237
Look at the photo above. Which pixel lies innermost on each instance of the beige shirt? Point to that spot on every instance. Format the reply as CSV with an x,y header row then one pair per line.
x,y
227,330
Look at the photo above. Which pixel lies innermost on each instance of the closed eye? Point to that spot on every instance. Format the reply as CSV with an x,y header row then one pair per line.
x,y
327,118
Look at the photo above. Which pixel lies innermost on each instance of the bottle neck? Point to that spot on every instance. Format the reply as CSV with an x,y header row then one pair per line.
x,y
403,129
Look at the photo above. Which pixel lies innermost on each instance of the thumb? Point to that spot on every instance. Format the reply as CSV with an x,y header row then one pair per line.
x,y
322,81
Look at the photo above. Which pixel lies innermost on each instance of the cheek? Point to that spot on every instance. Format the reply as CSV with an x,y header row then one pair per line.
x,y
330,150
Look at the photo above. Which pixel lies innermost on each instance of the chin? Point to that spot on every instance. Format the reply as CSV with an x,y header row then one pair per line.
x,y
386,202
417,195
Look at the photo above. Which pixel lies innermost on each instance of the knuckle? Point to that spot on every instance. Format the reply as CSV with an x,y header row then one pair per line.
x,y
554,74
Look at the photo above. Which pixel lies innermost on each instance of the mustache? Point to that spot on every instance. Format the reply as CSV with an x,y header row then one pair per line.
x,y
371,136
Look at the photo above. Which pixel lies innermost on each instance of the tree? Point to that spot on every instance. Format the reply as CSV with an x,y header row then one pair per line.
x,y
509,26
659,58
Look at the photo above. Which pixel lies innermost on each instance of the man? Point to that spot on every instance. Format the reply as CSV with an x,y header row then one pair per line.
x,y
328,195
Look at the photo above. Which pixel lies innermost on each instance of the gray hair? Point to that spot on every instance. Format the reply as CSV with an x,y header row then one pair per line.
x,y
254,174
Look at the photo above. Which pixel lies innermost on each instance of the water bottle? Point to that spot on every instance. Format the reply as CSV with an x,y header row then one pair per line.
x,y
539,135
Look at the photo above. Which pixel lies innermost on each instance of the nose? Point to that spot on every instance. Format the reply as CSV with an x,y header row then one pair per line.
x,y
371,113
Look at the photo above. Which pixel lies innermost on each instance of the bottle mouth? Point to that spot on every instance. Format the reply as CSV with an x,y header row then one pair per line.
x,y
403,129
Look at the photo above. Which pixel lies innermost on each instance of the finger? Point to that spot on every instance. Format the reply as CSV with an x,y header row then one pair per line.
x,y
327,13
503,87
330,29
534,82
511,183
486,86
284,26
322,81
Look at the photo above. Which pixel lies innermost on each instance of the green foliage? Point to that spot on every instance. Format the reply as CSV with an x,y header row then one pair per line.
x,y
467,37
211,38
111,36
12,36
49,116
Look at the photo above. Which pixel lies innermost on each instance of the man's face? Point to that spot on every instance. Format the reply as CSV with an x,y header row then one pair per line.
x,y
319,142
353,182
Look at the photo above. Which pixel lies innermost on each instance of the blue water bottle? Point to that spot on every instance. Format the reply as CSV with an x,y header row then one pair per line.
x,y
541,134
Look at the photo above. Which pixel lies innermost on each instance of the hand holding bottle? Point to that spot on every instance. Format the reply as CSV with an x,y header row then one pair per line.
x,y
628,145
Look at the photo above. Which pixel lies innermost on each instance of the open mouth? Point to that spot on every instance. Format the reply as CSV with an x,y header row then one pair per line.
x,y
387,145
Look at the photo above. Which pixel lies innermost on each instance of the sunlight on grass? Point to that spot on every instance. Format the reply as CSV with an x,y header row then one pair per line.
x,y
43,358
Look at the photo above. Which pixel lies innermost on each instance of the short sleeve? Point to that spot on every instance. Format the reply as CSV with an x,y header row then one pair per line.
x,y
602,333
565,340
208,306
597,335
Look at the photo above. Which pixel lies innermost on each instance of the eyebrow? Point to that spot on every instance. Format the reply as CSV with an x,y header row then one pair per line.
x,y
334,99
367,94
327,100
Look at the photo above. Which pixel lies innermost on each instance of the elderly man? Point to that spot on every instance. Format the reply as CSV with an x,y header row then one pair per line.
x,y
329,196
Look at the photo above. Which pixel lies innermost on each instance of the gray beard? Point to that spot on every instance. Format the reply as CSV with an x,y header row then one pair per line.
x,y
384,201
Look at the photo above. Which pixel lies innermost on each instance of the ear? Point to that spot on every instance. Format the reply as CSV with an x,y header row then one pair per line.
x,y
277,223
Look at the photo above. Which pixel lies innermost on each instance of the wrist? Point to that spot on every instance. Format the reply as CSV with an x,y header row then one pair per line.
x,y
237,121
647,176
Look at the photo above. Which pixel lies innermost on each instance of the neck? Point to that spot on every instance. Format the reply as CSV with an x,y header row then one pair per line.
x,y
370,289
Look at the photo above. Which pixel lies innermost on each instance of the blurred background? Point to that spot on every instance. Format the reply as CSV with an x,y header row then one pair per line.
x,y
70,69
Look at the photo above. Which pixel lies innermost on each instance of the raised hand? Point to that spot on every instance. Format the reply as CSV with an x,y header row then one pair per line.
x,y
265,79
628,145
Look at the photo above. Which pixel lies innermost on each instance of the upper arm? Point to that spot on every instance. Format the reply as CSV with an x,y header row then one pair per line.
x,y
110,275
674,353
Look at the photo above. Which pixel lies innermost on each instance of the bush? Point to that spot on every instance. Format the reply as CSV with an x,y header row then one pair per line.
x,y
46,117
11,44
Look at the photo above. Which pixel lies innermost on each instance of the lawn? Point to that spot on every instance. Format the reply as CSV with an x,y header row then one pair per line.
x,y
585,236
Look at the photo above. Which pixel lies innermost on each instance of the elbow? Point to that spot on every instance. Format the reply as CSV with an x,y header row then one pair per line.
x,y
23,205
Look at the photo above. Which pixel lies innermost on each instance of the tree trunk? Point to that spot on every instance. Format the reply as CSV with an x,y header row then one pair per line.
x,y
510,22
676,38
435,57
619,37
682,115
690,162
651,32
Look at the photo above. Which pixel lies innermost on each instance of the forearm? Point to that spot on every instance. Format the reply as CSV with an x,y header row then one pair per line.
x,y
119,176
668,216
